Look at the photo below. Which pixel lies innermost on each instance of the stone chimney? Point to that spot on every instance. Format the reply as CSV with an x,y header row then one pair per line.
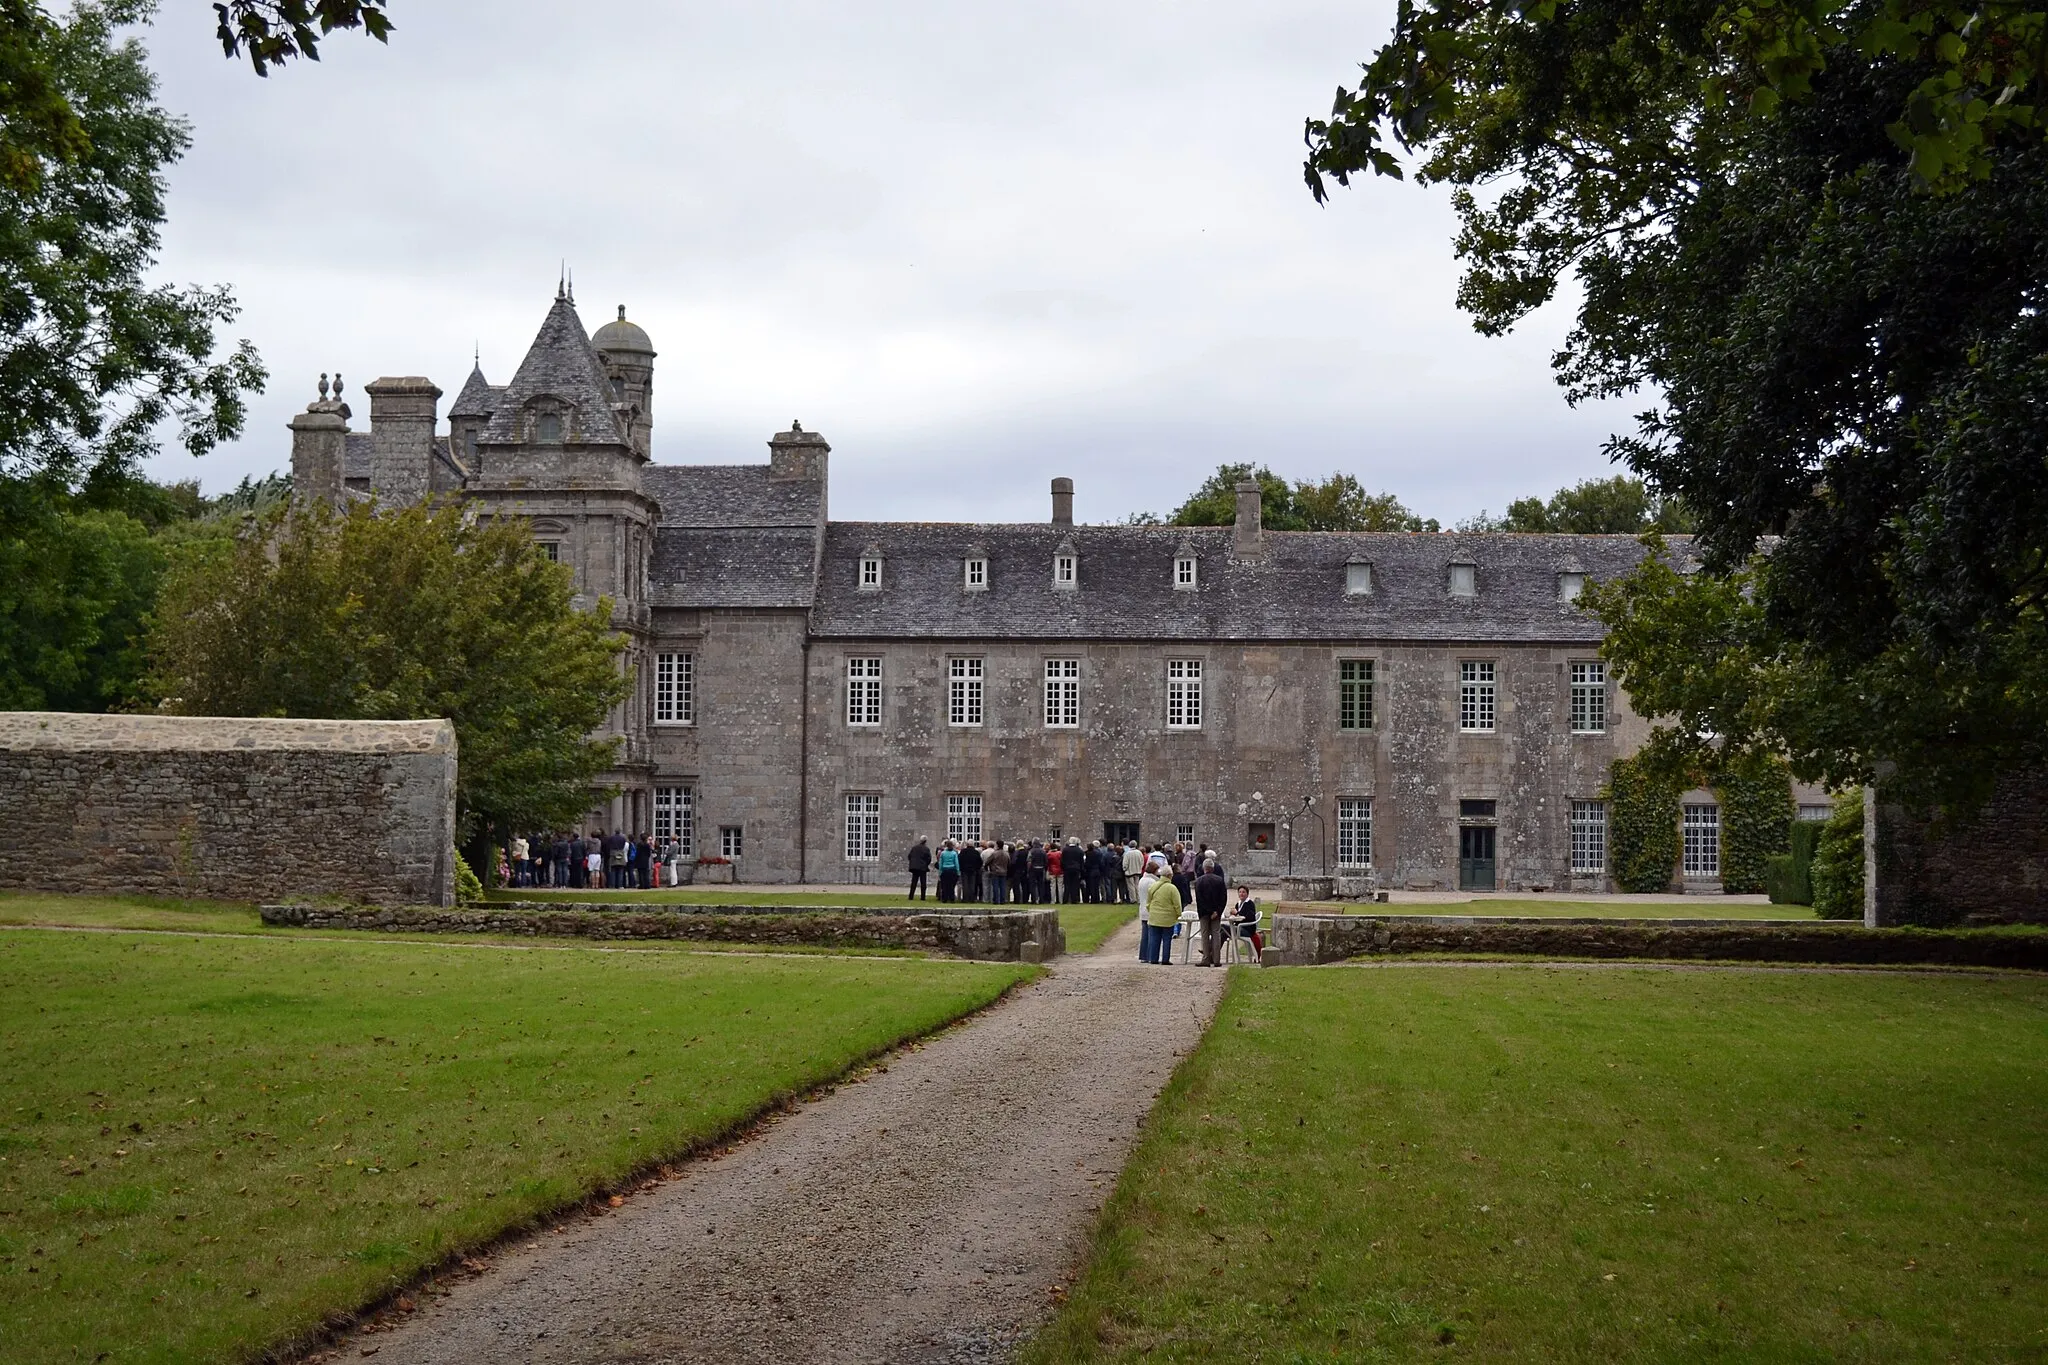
x,y
319,444
1063,502
797,454
1251,533
402,417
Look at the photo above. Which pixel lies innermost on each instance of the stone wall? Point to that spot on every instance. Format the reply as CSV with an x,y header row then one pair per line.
x,y
1027,936
1269,731
1989,870
1309,940
239,809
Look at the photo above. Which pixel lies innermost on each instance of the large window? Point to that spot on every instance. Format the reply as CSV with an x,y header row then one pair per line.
x,y
963,818
1183,694
1354,831
1475,697
864,691
1589,837
1702,841
1589,698
675,689
1062,693
863,827
963,691
1354,694
675,817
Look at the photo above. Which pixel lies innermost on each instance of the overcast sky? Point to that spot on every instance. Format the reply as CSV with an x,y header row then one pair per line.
x,y
975,246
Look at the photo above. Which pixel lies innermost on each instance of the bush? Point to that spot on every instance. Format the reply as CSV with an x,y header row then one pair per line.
x,y
1838,861
1789,876
1642,838
1756,814
467,887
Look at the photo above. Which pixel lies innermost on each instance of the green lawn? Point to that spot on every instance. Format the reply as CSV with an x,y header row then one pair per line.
x,y
131,912
715,895
209,1143
1569,1164
1608,907
1086,926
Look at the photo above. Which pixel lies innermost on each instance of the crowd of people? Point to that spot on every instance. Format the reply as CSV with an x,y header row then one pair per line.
x,y
597,861
1163,881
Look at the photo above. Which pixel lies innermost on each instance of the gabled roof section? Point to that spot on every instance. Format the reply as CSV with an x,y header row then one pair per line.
x,y
560,364
731,495
477,399
745,566
1293,590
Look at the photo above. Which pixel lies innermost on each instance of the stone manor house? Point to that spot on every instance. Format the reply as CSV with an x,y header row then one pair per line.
x,y
815,694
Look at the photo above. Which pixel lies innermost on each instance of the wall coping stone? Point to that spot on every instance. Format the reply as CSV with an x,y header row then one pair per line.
x,y
22,731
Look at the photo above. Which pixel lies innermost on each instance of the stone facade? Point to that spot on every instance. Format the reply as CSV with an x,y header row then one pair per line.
x,y
1992,869
744,605
240,809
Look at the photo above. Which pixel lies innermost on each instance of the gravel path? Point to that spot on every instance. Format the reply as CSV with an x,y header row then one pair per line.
x,y
925,1214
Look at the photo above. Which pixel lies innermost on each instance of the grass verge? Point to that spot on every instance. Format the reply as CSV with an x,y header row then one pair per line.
x,y
1610,907
724,895
1508,1164
210,1144
1086,926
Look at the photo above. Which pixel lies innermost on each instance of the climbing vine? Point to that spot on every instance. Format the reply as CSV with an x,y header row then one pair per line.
x,y
1756,819
1838,861
1642,823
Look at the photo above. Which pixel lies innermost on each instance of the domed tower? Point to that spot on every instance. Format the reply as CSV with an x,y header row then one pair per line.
x,y
629,363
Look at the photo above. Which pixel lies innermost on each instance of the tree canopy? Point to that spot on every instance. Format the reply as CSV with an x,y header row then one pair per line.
x,y
93,358
1617,506
403,615
272,32
1817,237
1338,503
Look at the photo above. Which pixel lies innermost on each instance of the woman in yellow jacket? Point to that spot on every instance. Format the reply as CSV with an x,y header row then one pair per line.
x,y
1162,913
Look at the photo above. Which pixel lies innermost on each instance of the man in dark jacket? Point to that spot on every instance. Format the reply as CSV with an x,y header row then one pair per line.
x,y
1211,893
558,855
578,850
970,871
920,864
1041,888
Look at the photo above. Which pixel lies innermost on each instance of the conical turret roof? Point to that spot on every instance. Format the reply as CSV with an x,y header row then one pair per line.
x,y
561,364
477,398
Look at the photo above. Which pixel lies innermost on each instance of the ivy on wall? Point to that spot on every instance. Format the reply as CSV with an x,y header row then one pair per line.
x,y
1756,820
1642,823
1642,812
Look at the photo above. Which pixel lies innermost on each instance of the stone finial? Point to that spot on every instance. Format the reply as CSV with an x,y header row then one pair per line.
x,y
323,386
622,312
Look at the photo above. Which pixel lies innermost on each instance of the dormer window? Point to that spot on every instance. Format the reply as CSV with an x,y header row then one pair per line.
x,y
1184,572
870,573
547,429
1357,579
1066,570
976,579
1570,585
1464,580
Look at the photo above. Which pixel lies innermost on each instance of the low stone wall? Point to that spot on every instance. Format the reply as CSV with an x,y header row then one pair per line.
x,y
241,809
1309,940
1027,936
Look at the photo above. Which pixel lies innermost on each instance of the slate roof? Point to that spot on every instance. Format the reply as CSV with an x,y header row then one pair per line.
x,y
733,567
730,495
1294,591
561,364
478,398
355,456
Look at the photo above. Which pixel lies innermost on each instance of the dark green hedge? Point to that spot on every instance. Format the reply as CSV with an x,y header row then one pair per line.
x,y
1838,861
1642,825
1756,819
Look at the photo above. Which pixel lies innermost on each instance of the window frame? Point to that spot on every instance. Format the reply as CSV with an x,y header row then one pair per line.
x,y
1358,576
1187,573
1184,678
1698,857
1470,575
966,691
1354,822
1066,570
1350,689
1478,697
863,675
868,577
1571,585
974,574
675,687
964,816
732,842
1588,682
551,549
675,815
861,827
1061,694
1588,829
